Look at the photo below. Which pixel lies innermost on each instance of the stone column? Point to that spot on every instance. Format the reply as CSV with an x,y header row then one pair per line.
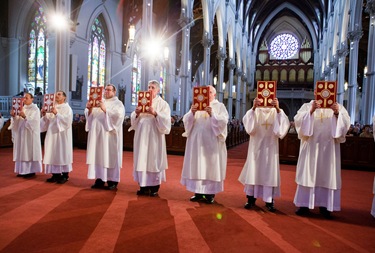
x,y
333,69
62,51
12,58
244,93
341,53
354,37
185,22
369,99
238,93
147,64
207,42
231,67
221,56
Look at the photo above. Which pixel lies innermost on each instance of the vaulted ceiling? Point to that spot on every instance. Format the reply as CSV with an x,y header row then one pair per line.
x,y
261,13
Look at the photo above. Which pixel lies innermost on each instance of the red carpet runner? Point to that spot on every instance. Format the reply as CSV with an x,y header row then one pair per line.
x,y
36,216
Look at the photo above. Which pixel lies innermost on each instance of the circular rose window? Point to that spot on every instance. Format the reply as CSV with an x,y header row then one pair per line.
x,y
284,46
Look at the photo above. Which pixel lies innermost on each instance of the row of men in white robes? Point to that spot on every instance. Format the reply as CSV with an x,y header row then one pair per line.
x,y
58,146
204,169
318,175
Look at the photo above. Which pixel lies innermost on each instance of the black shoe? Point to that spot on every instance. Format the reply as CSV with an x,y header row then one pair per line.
x,y
112,185
63,179
270,206
209,198
54,178
250,202
143,191
196,197
154,190
325,212
302,210
20,175
29,175
99,184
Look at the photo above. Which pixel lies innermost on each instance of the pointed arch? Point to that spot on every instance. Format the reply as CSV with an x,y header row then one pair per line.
x,y
97,52
38,53
136,79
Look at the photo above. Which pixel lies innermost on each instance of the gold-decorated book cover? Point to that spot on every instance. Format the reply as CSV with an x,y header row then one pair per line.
x,y
96,96
266,92
49,101
326,93
201,97
17,105
144,100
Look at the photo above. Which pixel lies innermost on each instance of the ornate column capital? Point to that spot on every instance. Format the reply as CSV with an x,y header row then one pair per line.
x,y
327,71
207,40
343,50
370,7
355,35
333,64
221,55
244,78
231,64
238,72
184,20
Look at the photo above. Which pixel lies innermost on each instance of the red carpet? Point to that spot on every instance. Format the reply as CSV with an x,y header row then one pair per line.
x,y
36,216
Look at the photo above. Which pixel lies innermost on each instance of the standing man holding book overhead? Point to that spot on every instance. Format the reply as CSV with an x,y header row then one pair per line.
x,y
205,160
104,123
151,121
266,123
321,126
25,126
57,120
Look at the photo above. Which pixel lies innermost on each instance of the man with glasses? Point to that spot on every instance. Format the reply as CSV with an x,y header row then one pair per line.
x,y
104,144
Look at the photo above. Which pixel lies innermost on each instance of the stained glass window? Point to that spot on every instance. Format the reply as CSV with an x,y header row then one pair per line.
x,y
96,55
284,46
136,79
37,55
163,81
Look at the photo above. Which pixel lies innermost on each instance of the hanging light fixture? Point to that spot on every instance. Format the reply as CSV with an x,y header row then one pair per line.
x,y
166,53
131,33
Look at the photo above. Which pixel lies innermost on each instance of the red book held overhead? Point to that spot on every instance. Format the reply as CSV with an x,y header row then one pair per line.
x,y
144,100
49,101
326,93
96,96
266,92
201,97
17,105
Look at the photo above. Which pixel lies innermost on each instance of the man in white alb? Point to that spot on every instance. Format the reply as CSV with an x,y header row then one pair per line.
x,y
104,144
58,144
205,160
261,172
150,151
318,174
27,150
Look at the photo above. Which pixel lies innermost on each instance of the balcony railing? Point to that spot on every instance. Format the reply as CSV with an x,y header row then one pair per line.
x,y
6,104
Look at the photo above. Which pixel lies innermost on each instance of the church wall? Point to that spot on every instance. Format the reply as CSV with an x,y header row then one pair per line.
x,y
13,69
4,50
80,48
117,73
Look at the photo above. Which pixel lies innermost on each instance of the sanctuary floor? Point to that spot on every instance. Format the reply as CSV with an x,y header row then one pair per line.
x,y
36,216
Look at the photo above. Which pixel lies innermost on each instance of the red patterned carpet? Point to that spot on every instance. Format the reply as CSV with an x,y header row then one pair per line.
x,y
36,216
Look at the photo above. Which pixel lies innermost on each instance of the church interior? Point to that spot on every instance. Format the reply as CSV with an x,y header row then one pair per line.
x,y
73,45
